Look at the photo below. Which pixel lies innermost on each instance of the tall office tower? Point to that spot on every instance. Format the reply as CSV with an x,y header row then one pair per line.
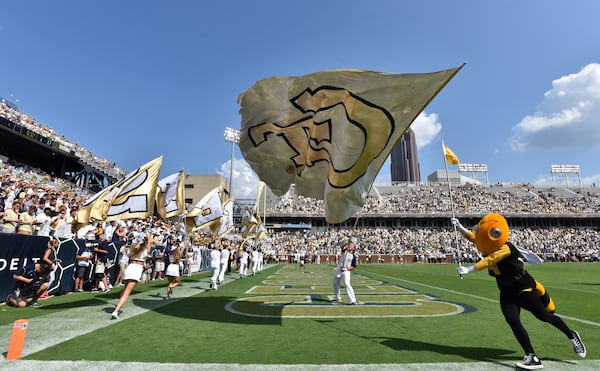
x,y
405,159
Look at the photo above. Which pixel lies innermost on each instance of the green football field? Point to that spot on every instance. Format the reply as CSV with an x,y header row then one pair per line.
x,y
410,317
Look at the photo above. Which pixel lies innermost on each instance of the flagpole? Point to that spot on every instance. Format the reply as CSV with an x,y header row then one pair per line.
x,y
183,227
456,241
265,205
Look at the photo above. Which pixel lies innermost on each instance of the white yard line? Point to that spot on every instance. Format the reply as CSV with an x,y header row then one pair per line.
x,y
475,296
142,366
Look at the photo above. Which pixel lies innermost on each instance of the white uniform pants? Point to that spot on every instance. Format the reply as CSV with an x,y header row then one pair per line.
x,y
337,278
222,271
215,275
243,269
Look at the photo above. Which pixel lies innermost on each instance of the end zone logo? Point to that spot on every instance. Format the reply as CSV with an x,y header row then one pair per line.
x,y
294,293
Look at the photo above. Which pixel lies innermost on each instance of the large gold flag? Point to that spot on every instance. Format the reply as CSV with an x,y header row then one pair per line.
x,y
130,197
136,196
169,195
451,158
82,218
226,224
249,222
330,132
206,213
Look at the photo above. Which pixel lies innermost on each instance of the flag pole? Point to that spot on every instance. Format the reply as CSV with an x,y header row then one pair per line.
x,y
456,241
265,205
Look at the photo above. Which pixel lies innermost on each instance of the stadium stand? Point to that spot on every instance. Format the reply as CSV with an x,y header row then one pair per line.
x,y
559,223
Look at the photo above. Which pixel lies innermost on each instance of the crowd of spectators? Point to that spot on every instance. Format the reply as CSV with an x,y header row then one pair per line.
x,y
434,198
54,202
433,245
30,187
12,114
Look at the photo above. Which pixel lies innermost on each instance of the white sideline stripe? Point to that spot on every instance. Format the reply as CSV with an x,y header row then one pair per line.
x,y
141,366
82,320
477,297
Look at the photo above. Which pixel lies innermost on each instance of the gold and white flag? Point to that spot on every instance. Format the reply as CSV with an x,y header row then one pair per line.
x,y
131,197
226,224
261,232
330,132
170,199
206,212
136,195
249,222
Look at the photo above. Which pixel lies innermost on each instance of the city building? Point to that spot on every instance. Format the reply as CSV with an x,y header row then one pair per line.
x,y
405,159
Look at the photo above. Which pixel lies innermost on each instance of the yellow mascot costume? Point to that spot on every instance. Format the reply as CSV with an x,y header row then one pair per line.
x,y
518,289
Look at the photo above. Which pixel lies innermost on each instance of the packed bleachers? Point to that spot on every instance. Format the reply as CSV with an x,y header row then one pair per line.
x,y
430,199
14,115
429,244
434,198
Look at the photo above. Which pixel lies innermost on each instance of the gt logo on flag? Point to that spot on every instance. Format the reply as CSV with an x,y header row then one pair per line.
x,y
329,110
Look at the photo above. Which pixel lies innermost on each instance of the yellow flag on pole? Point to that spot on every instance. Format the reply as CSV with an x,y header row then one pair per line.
x,y
451,158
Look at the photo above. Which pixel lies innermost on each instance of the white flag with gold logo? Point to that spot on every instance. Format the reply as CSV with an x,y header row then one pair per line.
x,y
249,222
226,224
330,132
169,195
131,197
261,232
206,212
136,196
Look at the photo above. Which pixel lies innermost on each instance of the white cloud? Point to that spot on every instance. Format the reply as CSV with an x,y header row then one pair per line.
x,y
568,115
245,181
591,180
572,179
426,128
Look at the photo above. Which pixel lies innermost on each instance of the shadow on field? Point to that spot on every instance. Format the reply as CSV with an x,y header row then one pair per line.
x,y
587,284
90,302
210,308
473,353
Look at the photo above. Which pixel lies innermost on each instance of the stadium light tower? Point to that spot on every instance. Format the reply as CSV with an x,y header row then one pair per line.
x,y
232,136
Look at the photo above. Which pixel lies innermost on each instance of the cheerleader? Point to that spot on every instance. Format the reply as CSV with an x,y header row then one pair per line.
x,y
139,251
172,272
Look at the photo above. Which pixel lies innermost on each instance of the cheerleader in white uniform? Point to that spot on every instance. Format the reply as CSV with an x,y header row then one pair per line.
x,y
139,251
173,271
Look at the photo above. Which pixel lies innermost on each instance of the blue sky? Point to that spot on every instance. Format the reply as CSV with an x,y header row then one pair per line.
x,y
132,80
